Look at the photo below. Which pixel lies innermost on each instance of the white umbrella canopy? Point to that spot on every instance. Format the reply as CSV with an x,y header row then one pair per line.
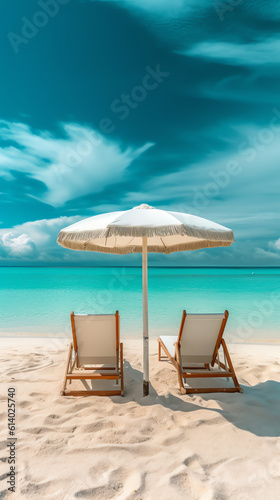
x,y
140,230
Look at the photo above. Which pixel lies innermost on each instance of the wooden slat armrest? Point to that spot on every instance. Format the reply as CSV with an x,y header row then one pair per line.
x,y
207,374
206,390
91,393
93,367
91,376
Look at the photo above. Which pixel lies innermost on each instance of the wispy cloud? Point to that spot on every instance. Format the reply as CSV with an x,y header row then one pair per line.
x,y
79,162
267,255
262,52
255,87
162,7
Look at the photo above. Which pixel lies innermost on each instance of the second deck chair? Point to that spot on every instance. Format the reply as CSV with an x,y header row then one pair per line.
x,y
196,351
95,353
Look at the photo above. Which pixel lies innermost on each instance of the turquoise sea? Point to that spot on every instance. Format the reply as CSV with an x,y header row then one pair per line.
x,y
38,301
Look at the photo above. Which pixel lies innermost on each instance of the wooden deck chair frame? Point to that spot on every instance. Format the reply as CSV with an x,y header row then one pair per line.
x,y
183,373
83,372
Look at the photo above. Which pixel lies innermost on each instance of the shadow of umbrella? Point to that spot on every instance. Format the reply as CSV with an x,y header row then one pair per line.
x,y
256,411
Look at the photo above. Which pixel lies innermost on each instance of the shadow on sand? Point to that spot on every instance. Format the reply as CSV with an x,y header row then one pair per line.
x,y
256,410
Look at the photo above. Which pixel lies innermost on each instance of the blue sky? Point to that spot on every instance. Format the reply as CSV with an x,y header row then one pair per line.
x,y
109,104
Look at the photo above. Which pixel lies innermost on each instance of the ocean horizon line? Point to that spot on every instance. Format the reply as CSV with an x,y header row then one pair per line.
x,y
140,267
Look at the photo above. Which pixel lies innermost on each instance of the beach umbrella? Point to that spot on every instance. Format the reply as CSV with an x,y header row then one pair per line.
x,y
144,229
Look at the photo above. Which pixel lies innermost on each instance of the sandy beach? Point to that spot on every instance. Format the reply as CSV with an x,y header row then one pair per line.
x,y
164,446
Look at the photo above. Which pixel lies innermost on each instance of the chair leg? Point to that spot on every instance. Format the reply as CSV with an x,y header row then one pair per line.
x,y
159,351
178,368
234,378
121,359
181,384
67,369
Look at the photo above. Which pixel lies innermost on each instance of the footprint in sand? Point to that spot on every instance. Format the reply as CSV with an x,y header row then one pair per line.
x,y
147,430
193,463
52,416
97,426
43,430
37,430
35,489
24,404
112,486
194,487
192,478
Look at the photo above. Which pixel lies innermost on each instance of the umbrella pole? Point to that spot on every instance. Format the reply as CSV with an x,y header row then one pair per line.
x,y
145,317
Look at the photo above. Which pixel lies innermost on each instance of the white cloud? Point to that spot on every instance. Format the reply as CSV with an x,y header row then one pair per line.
x,y
275,245
17,246
80,163
33,239
248,54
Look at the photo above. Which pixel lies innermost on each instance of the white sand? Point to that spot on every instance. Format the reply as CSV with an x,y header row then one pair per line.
x,y
165,446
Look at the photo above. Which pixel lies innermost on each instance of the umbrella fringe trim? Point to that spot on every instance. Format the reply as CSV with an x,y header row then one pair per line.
x,y
205,234
87,246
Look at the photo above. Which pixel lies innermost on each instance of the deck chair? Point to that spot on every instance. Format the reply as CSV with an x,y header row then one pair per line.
x,y
195,353
94,354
